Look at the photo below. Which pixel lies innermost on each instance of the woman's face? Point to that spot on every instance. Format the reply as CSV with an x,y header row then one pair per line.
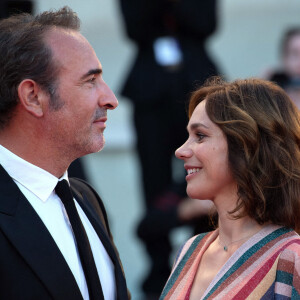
x,y
205,156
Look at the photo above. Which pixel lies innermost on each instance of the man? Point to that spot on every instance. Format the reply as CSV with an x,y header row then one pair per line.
x,y
53,109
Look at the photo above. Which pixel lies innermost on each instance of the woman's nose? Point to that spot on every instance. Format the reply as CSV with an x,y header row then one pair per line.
x,y
183,151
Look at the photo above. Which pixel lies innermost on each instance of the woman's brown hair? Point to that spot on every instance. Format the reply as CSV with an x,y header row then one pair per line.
x,y
262,128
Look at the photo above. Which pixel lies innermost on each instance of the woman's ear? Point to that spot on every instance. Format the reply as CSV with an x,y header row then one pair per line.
x,y
32,97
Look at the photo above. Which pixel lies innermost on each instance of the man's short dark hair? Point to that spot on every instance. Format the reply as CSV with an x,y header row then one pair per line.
x,y
24,54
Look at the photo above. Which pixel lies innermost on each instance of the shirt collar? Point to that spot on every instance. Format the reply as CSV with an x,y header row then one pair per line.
x,y
37,180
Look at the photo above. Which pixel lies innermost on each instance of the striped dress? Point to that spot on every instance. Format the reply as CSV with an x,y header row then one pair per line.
x,y
267,266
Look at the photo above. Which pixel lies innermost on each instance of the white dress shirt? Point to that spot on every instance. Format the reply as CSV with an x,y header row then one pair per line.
x,y
38,185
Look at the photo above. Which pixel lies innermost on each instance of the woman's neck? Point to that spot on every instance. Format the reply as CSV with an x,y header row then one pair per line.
x,y
236,231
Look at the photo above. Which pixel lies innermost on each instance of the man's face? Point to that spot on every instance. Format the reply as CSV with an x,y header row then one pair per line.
x,y
77,127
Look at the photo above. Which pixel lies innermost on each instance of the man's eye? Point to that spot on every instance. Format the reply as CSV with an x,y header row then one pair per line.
x,y
92,79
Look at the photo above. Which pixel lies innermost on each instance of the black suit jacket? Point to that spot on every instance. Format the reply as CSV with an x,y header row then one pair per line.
x,y
31,265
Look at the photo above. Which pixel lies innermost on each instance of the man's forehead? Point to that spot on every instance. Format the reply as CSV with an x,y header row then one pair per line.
x,y
71,49
59,39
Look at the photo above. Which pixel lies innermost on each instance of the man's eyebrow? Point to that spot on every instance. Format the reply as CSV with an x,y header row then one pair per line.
x,y
91,72
194,126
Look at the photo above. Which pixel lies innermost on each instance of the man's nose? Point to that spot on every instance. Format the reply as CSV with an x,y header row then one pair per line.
x,y
108,98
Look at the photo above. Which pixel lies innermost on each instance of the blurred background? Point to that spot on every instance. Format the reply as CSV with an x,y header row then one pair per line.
x,y
246,43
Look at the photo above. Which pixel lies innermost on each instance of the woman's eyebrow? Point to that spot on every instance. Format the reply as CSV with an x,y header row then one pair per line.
x,y
195,126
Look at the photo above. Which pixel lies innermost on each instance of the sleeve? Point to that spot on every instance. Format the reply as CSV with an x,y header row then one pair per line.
x,y
287,284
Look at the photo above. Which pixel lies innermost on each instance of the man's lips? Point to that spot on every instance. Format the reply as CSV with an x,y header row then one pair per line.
x,y
101,121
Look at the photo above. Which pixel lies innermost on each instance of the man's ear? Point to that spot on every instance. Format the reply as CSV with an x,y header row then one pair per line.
x,y
32,97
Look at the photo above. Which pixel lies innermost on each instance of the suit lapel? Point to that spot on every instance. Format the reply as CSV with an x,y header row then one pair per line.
x,y
90,212
98,226
28,234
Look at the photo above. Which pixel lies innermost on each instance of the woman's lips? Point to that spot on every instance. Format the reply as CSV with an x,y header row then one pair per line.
x,y
191,171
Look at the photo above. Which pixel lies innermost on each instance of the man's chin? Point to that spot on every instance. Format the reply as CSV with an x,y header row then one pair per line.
x,y
100,146
95,147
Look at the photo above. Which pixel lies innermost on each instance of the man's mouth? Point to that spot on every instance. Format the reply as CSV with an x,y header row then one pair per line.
x,y
103,120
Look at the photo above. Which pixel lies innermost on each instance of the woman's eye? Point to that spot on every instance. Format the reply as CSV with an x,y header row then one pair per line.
x,y
200,136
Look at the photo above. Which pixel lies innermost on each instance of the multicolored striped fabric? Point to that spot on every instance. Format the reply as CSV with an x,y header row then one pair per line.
x,y
267,266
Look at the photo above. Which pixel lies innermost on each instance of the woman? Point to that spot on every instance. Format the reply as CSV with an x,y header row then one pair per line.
x,y
243,153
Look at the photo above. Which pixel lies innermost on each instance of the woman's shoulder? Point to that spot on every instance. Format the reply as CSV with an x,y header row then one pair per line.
x,y
288,268
292,246
289,257
192,244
